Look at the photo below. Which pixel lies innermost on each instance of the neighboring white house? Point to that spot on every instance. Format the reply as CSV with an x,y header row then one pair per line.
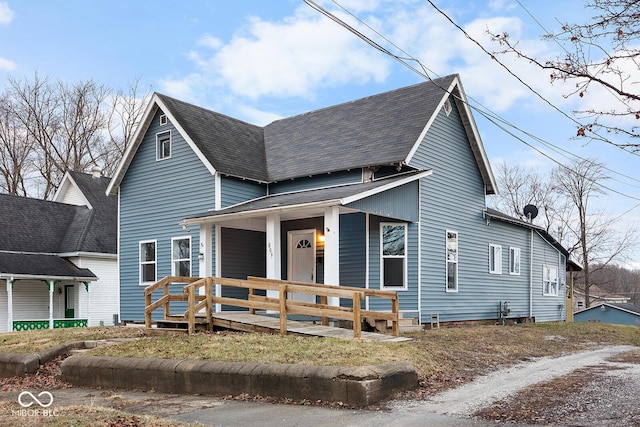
x,y
58,259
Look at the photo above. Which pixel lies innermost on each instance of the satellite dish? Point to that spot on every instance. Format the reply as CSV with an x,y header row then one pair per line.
x,y
530,211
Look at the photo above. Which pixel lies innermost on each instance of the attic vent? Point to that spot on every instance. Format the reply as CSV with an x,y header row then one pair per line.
x,y
447,107
163,120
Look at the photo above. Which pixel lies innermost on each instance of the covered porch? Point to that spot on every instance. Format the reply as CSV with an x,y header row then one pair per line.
x,y
328,235
43,292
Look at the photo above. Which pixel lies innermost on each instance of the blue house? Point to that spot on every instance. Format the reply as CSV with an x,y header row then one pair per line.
x,y
616,313
385,192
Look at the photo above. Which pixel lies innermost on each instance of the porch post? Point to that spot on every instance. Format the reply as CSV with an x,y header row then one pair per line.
x,y
10,304
86,287
51,285
205,251
332,249
274,261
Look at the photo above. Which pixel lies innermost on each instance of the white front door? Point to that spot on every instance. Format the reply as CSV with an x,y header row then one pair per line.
x,y
302,260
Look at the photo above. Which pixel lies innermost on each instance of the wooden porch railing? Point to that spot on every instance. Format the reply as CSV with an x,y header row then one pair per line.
x,y
204,301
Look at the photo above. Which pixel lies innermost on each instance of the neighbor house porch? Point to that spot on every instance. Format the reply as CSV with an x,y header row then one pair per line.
x,y
32,299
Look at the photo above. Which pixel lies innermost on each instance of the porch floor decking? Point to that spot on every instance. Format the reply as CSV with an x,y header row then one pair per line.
x,y
257,323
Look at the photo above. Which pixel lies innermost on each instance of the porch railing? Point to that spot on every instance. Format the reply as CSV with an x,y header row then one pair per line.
x,y
32,325
204,301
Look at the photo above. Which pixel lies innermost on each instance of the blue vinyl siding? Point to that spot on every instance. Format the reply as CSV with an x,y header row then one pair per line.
x,y
234,191
408,298
452,198
154,197
353,252
400,203
547,307
318,181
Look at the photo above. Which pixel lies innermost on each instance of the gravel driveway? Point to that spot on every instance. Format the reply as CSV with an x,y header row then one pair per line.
x,y
580,389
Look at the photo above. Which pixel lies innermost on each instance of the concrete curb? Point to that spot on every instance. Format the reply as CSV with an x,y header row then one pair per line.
x,y
12,364
360,386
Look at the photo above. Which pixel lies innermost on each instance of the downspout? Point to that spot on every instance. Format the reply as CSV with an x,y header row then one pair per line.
x,y
531,276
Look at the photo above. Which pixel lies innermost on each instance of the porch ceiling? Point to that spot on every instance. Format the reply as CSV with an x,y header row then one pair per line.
x,y
303,204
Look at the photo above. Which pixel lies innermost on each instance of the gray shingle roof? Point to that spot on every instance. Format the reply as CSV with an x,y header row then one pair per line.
x,y
34,225
42,226
232,146
101,233
40,265
627,306
377,130
279,201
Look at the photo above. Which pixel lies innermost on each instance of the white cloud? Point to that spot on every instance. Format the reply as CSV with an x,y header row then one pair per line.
x,y
6,14
7,65
210,41
305,52
290,58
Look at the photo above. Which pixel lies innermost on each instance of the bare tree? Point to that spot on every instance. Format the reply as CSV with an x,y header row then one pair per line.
x,y
591,233
519,187
36,107
49,128
125,112
601,55
16,152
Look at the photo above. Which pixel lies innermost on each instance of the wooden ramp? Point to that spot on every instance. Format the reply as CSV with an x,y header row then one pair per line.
x,y
256,323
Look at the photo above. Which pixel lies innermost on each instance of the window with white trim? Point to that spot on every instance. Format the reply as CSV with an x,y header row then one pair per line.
x,y
163,145
163,120
148,264
452,261
181,256
495,259
393,250
549,280
514,261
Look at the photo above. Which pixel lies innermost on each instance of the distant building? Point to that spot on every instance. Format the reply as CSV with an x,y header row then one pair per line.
x,y
597,296
616,313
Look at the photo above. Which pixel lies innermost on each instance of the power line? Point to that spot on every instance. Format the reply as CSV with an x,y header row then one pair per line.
x,y
487,113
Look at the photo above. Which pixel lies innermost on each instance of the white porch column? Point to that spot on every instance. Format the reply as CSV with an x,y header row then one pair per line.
x,y
87,288
205,251
51,285
274,260
332,249
10,304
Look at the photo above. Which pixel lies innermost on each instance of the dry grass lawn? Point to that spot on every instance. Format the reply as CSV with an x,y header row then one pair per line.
x,y
444,357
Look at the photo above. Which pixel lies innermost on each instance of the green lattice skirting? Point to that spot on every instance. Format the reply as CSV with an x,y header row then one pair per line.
x,y
32,325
